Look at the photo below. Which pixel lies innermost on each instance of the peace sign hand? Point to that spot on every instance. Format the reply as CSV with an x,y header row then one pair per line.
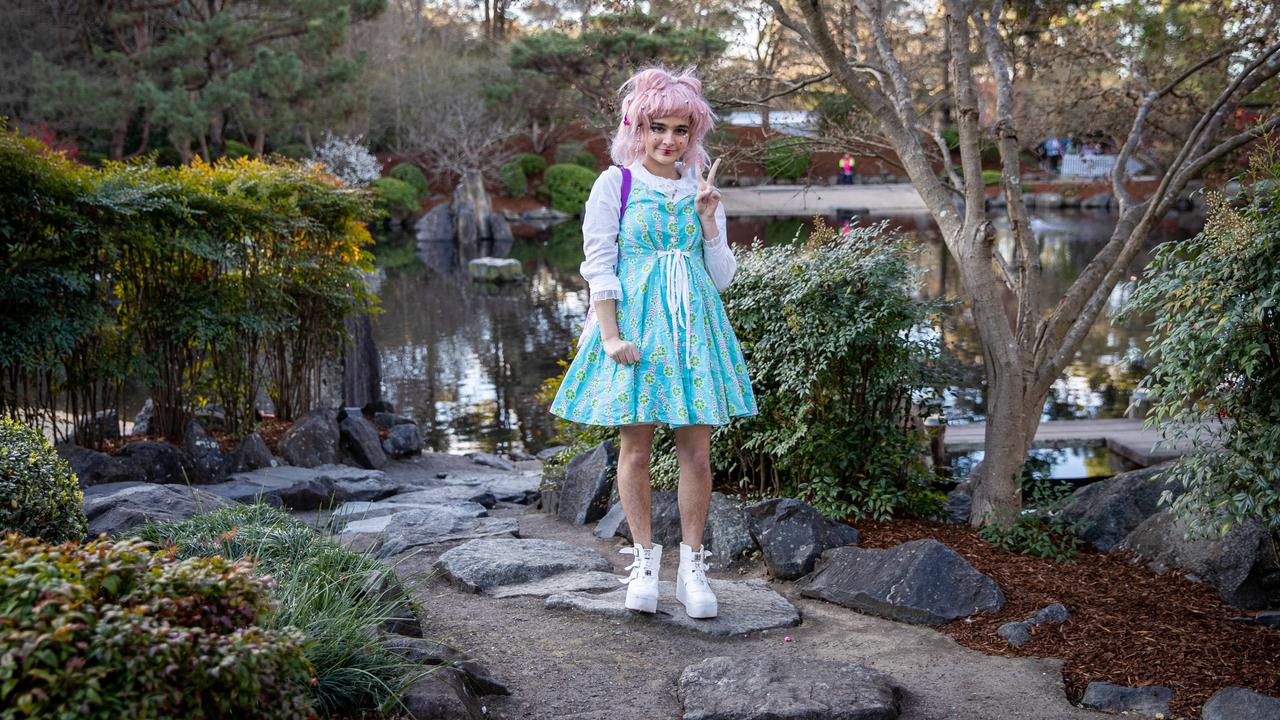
x,y
708,197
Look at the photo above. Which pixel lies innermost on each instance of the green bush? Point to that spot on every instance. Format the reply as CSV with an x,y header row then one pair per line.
x,y
1038,528
113,630
396,198
573,153
338,598
786,157
991,177
568,187
180,278
531,164
1213,355
39,495
514,182
235,149
409,173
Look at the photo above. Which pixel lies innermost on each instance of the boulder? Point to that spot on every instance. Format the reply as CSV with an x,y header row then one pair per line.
x,y
490,460
584,488
745,606
92,467
436,225
205,451
160,462
384,420
958,505
442,694
664,520
142,421
360,440
251,453
548,453
786,688
115,512
1235,703
923,582
299,488
726,535
312,440
374,407
1019,633
432,652
211,416
1110,509
429,526
402,441
102,425
1149,700
487,563
495,269
1241,566
792,535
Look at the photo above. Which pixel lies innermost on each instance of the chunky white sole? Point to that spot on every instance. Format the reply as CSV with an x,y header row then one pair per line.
x,y
698,609
641,603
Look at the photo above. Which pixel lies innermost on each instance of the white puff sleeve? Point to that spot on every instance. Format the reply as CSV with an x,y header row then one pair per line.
x,y
718,256
600,236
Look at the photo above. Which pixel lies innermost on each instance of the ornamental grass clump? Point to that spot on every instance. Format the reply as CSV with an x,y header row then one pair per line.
x,y
39,494
111,630
337,598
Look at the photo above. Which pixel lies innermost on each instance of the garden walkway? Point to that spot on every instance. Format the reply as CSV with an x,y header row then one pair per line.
x,y
794,200
566,663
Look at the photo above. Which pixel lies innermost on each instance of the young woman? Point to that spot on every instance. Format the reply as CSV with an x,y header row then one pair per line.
x,y
657,347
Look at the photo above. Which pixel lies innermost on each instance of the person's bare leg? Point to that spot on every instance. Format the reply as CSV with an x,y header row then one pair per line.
x,y
693,450
633,480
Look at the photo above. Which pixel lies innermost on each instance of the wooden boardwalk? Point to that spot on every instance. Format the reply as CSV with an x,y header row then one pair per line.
x,y
1123,437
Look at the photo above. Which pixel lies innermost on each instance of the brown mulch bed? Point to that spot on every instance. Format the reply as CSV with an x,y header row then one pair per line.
x,y
1128,625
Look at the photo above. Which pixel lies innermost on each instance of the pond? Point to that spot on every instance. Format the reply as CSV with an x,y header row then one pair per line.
x,y
468,360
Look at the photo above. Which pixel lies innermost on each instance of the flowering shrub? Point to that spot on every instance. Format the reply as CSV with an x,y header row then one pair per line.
x,y
114,630
349,160
39,495
1215,355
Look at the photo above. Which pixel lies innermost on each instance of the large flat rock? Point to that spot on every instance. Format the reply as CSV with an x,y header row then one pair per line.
x,y
745,606
484,564
114,510
299,488
433,525
922,581
771,688
588,581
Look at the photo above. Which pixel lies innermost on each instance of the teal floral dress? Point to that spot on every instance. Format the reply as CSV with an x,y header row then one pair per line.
x,y
691,370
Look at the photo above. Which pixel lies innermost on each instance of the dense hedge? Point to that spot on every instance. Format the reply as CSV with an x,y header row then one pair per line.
x,y
39,494
409,173
514,181
113,630
568,186
396,198
531,164
193,280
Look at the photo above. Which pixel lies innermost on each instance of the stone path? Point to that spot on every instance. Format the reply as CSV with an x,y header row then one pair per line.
x,y
573,652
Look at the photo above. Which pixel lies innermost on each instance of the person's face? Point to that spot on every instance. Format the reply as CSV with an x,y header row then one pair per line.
x,y
666,139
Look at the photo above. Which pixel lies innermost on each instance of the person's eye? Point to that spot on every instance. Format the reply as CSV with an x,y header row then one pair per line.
x,y
682,131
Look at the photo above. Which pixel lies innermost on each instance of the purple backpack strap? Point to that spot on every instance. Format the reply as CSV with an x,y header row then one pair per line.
x,y
626,192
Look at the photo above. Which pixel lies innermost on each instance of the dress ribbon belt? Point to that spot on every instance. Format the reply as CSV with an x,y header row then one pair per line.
x,y
675,271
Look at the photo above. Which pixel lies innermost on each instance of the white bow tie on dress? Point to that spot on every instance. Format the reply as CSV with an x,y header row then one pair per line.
x,y
675,271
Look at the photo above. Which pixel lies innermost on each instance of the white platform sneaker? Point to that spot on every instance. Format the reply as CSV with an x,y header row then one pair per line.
x,y
692,588
642,585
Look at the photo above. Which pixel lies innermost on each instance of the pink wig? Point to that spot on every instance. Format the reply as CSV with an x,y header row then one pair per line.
x,y
655,93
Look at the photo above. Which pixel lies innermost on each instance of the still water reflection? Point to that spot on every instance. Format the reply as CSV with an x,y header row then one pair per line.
x,y
467,360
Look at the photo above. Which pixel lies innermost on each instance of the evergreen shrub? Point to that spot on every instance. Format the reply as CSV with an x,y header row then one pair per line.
x,y
531,164
1214,355
786,157
568,186
396,198
39,494
234,149
575,154
514,182
114,630
409,173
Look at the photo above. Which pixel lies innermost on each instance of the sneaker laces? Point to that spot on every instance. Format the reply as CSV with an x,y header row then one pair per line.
x,y
698,566
638,566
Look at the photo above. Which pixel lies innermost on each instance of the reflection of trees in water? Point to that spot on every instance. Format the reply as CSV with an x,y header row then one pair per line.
x,y
1102,378
467,359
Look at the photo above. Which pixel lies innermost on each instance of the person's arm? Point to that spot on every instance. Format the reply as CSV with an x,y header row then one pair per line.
x,y
600,265
716,253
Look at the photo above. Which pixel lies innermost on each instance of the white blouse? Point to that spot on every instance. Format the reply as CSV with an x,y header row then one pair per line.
x,y
600,230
